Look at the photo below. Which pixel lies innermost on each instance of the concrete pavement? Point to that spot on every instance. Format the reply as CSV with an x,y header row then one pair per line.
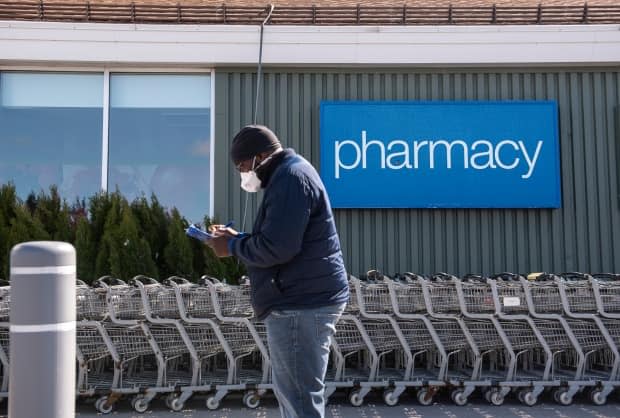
x,y
373,408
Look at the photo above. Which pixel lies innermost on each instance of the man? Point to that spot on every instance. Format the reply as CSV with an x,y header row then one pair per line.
x,y
297,276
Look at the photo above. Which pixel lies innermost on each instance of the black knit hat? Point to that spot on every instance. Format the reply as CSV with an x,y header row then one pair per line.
x,y
252,140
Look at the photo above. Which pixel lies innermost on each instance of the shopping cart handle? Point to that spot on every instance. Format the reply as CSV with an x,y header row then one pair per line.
x,y
507,276
144,279
374,275
206,279
413,276
475,278
177,280
575,275
545,277
105,281
606,276
442,277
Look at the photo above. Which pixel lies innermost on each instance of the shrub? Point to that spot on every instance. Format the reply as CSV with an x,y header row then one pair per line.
x,y
85,251
23,227
111,236
130,253
53,213
154,223
178,254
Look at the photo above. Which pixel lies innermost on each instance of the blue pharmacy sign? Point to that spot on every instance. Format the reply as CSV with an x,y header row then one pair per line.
x,y
441,154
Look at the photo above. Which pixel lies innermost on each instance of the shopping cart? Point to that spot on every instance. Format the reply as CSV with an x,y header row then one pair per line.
x,y
354,360
465,358
94,350
393,351
535,367
232,307
181,359
430,359
96,357
475,298
221,346
606,289
139,364
545,302
128,325
90,302
579,302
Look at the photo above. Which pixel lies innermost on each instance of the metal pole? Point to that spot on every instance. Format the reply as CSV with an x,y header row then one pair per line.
x,y
42,371
259,76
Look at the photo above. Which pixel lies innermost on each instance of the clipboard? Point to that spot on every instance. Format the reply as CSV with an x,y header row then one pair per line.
x,y
197,233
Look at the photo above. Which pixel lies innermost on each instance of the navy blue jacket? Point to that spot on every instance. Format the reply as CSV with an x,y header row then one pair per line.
x,y
293,254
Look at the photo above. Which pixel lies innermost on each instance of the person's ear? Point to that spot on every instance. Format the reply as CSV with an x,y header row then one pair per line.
x,y
261,157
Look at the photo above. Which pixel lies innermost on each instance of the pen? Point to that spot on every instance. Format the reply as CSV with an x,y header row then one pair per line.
x,y
229,224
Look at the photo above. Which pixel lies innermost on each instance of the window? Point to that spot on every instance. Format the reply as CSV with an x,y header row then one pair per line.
x,y
50,132
159,139
158,135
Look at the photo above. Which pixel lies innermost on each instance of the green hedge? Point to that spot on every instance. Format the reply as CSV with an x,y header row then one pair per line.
x,y
111,235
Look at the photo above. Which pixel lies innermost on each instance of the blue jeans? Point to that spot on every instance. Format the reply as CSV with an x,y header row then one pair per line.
x,y
299,342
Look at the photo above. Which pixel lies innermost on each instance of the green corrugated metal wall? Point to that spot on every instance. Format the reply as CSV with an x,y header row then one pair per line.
x,y
583,235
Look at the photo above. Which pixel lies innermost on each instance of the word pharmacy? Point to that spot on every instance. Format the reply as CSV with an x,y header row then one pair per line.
x,y
398,154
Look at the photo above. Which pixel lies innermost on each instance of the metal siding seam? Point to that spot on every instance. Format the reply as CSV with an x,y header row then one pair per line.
x,y
580,173
602,170
566,143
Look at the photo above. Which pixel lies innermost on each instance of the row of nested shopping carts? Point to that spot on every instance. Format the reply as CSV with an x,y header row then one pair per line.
x,y
144,339
498,335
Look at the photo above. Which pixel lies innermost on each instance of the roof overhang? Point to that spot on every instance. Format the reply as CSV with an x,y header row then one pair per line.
x,y
26,42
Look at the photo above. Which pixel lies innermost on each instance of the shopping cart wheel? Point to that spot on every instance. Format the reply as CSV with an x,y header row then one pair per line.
x,y
458,397
140,404
355,398
102,406
251,399
173,402
486,394
561,396
496,398
212,403
425,397
597,398
527,397
389,398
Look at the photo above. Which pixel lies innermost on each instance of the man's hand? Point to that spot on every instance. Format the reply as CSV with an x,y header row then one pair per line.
x,y
221,230
219,245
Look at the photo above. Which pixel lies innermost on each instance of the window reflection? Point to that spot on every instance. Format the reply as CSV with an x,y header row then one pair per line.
x,y
159,135
50,132
159,139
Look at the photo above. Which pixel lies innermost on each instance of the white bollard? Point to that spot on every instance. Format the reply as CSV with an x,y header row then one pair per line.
x,y
42,352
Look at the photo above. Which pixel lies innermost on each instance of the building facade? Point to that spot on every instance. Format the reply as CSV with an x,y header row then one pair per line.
x,y
151,108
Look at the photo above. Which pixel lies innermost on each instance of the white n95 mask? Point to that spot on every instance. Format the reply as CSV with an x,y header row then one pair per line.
x,y
250,182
